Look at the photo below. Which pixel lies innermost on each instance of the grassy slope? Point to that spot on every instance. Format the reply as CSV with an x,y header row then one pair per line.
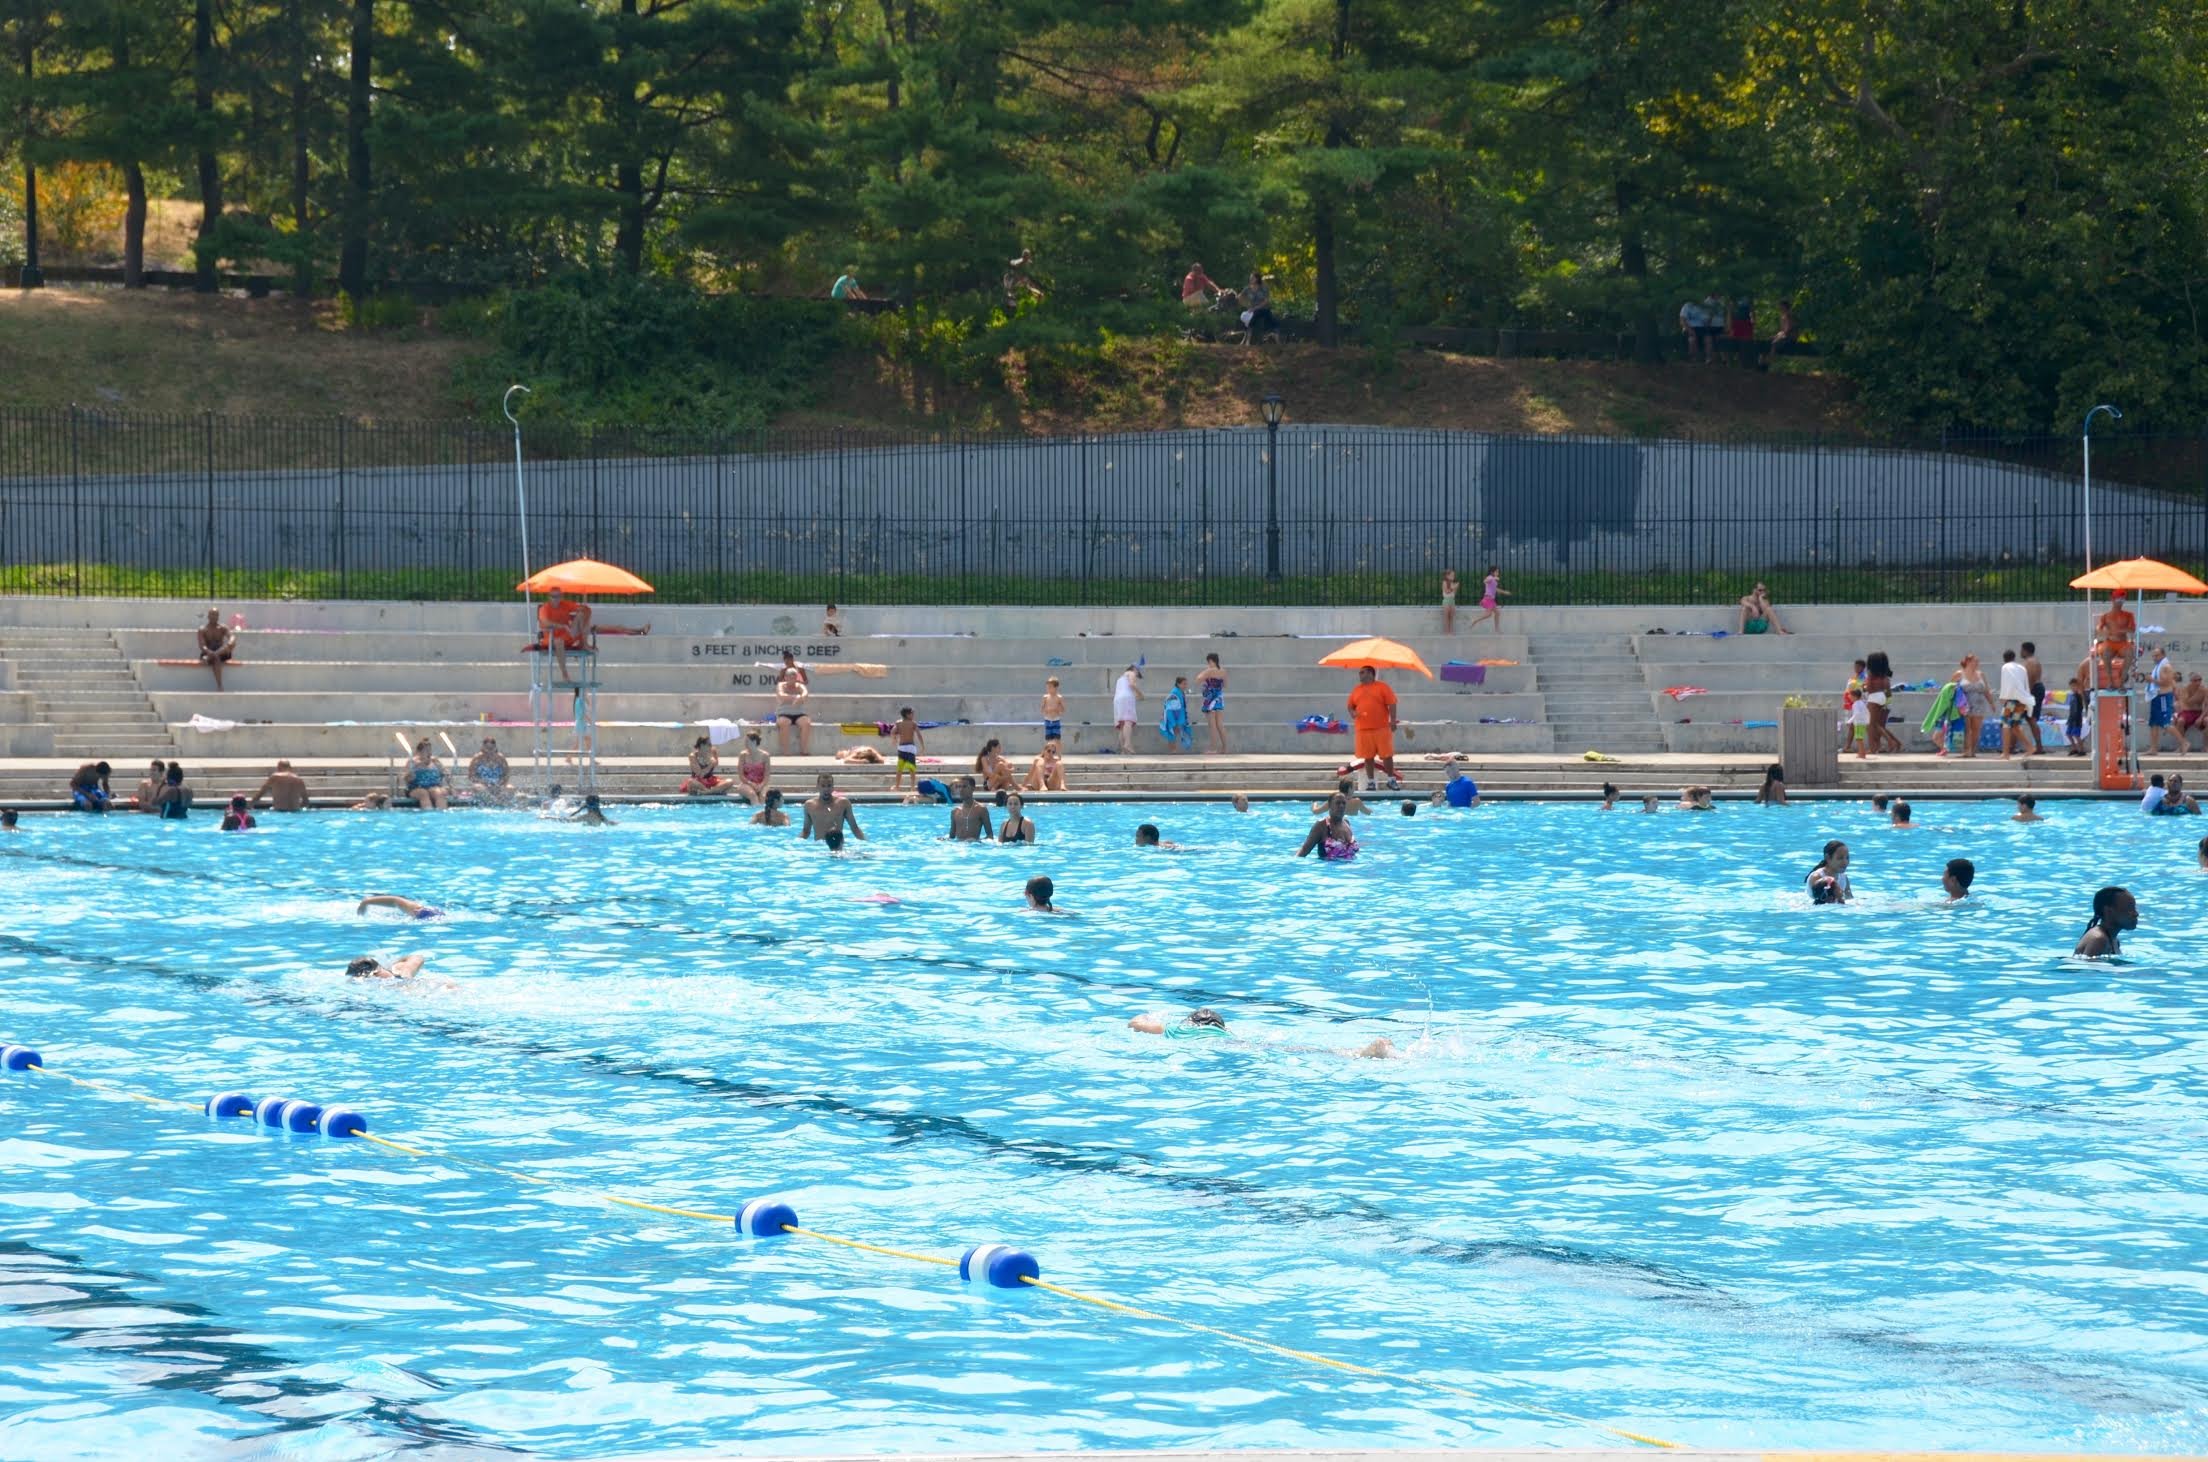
x,y
160,351
173,351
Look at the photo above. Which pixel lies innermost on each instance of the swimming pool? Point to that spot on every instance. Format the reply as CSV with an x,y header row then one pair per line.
x,y
1671,1151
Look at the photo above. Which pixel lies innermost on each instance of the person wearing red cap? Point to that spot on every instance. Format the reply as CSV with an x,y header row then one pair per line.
x,y
2112,647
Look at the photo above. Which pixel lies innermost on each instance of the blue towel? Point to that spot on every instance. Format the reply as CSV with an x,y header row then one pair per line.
x,y
1173,721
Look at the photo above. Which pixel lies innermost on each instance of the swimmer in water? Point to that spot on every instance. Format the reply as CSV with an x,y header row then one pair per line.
x,y
1901,815
590,814
1828,881
1649,803
1346,787
770,813
2203,849
1879,801
1241,802
828,811
1018,827
1331,836
1609,797
1040,892
2115,913
1960,874
367,967
1204,1023
1147,836
412,908
2027,809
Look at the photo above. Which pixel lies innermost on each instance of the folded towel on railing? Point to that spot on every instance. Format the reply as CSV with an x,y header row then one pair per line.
x,y
1326,724
209,723
1681,692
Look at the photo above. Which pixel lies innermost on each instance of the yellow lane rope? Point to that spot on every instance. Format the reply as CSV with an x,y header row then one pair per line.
x,y
1119,1307
1401,1378
791,1228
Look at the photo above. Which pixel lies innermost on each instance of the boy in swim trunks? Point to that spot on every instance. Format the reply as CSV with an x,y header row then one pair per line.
x,y
1054,711
910,743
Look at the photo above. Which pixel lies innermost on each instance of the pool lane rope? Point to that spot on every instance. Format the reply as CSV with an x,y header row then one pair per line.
x,y
1000,1266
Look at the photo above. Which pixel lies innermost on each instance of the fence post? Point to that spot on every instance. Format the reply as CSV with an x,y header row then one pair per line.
x,y
1945,590
207,434
1817,512
76,506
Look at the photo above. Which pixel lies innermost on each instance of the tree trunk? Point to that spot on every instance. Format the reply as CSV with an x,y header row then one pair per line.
x,y
1322,241
134,226
352,252
1633,264
134,183
32,277
302,277
205,279
628,172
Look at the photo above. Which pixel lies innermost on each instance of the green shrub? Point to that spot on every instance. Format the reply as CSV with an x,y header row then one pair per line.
x,y
611,350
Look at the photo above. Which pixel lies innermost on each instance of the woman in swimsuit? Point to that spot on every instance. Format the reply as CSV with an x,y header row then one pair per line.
x,y
1878,691
789,712
770,813
1018,826
2115,912
425,778
752,766
175,801
991,767
1047,772
705,768
1211,684
1331,836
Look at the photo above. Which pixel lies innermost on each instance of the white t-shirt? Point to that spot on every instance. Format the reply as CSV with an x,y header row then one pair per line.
x,y
2154,798
2016,684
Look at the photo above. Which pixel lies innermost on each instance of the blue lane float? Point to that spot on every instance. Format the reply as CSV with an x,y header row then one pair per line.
x,y
765,1218
269,1111
230,1104
998,1265
19,1058
342,1122
300,1117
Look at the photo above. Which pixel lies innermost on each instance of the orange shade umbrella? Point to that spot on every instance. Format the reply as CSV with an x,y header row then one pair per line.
x,y
583,576
2140,574
1379,654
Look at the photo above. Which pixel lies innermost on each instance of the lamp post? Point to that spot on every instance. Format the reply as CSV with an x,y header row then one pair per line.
x,y
2087,433
521,497
1272,406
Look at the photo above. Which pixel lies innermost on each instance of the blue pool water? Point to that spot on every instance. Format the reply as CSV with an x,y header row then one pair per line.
x,y
1671,1151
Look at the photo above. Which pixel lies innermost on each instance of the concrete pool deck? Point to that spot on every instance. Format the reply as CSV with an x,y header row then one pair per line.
x,y
39,783
1512,1454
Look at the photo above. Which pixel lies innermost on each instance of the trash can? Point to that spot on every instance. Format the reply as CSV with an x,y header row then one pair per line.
x,y
1809,746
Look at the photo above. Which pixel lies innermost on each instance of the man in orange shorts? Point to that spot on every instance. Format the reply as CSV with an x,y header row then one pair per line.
x,y
1372,714
2113,632
562,625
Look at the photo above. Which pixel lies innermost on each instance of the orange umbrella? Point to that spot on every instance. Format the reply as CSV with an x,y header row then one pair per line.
x,y
2143,574
1379,654
583,576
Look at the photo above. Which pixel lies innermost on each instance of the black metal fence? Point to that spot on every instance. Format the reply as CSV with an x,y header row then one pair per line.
x,y
98,503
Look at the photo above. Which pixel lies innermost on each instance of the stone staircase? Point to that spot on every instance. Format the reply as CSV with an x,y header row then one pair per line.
x,y
1596,695
81,685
